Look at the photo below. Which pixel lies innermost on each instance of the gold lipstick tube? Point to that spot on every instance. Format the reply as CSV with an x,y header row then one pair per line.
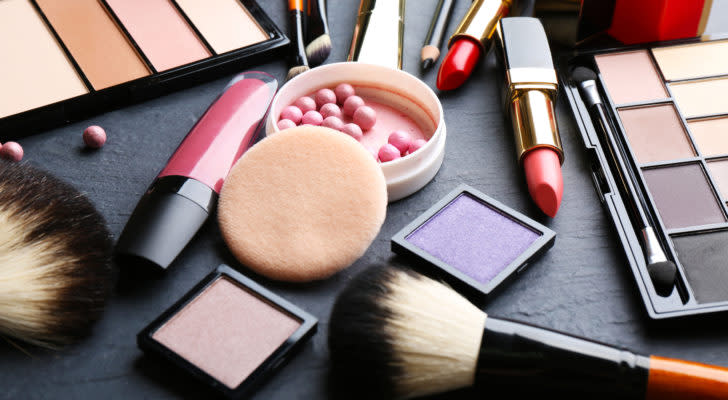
x,y
379,33
480,22
530,84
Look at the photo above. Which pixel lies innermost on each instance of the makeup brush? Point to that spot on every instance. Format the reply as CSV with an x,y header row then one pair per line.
x,y
662,271
317,32
298,59
394,333
431,49
55,258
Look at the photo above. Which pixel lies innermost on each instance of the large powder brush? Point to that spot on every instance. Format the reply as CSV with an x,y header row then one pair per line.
x,y
55,258
394,333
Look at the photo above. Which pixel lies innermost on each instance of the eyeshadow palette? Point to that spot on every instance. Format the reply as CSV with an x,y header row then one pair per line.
x,y
83,56
473,241
229,332
665,101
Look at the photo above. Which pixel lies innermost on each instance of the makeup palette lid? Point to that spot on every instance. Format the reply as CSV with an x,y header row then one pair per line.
x,y
229,332
473,242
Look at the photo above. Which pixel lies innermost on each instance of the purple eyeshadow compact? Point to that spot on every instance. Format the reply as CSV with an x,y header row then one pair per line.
x,y
229,332
473,242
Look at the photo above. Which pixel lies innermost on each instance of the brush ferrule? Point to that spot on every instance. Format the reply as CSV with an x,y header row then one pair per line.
x,y
653,249
590,92
519,357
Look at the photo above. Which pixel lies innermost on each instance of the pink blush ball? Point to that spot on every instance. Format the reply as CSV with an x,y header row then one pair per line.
x,y
94,136
325,96
400,139
388,153
343,91
305,104
330,110
365,117
292,113
11,151
333,123
312,118
354,131
416,145
351,104
285,124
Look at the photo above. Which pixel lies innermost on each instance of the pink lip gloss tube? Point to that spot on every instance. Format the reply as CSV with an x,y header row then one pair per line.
x,y
185,192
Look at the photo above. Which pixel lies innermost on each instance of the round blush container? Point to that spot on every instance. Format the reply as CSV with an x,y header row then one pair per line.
x,y
401,100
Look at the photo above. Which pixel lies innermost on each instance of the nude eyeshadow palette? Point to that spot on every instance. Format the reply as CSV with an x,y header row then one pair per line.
x,y
80,57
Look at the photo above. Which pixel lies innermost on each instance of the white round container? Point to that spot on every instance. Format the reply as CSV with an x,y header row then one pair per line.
x,y
395,88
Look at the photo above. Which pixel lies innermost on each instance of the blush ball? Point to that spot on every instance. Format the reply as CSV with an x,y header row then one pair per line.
x,y
415,145
312,118
365,117
325,96
94,136
330,110
333,122
388,153
292,113
351,104
11,151
400,139
353,130
305,104
285,124
343,91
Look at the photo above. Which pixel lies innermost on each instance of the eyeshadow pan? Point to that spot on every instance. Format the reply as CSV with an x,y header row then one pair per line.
x,y
703,257
690,61
95,41
160,31
226,24
701,98
655,133
630,77
27,85
710,135
683,196
473,237
719,171
227,331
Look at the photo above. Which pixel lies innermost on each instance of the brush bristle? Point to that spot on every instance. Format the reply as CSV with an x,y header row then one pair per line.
x,y
295,71
55,258
397,334
318,50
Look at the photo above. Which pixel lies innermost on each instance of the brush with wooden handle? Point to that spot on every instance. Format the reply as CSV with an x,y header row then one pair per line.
x,y
394,333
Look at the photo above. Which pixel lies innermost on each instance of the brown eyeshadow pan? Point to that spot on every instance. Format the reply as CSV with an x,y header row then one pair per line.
x,y
683,196
655,133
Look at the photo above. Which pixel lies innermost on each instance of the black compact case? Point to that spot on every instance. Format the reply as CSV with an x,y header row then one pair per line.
x,y
153,85
698,248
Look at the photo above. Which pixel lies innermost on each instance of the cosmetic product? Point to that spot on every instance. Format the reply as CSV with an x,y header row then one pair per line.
x,y
661,270
298,59
302,204
473,242
88,56
379,33
318,39
673,148
431,49
530,88
394,333
470,42
185,192
228,332
55,258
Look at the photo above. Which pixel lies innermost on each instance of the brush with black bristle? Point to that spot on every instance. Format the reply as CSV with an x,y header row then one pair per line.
x,y
298,59
317,32
394,333
55,258
662,272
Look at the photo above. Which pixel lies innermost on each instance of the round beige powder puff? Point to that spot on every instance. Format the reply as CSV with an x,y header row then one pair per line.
x,y
302,204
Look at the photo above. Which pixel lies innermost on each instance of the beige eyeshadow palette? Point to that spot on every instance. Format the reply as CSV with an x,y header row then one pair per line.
x,y
229,332
666,105
66,60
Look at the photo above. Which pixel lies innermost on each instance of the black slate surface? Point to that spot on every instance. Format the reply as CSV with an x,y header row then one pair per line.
x,y
581,286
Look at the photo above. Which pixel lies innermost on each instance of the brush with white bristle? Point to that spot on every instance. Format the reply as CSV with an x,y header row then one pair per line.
x,y
394,333
55,258
317,32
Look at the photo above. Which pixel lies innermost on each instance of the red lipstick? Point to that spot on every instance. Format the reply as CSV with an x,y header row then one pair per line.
x,y
530,90
185,192
470,41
